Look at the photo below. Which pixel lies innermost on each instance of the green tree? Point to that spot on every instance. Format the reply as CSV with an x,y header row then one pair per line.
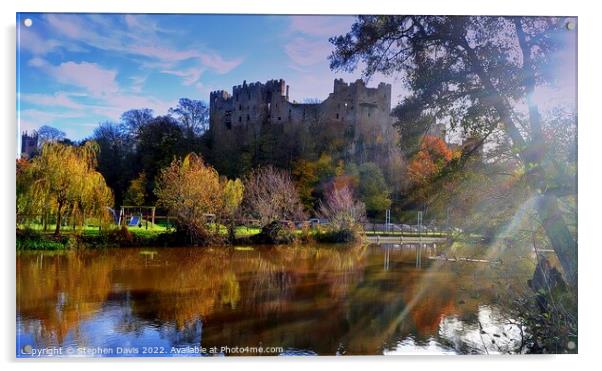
x,y
116,157
160,141
136,193
233,195
373,189
473,70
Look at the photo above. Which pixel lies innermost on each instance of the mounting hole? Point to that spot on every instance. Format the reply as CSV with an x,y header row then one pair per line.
x,y
27,22
570,25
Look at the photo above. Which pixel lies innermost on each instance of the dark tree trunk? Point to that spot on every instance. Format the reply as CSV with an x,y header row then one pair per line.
x,y
57,229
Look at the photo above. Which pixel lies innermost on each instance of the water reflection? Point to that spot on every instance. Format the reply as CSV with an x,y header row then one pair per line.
x,y
307,300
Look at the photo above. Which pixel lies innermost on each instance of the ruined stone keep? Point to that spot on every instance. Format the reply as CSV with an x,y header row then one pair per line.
x,y
365,110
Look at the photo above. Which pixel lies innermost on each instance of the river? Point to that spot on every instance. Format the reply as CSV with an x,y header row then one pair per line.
x,y
286,300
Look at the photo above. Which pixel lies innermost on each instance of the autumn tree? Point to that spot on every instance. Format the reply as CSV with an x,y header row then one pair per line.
x,y
63,181
433,156
270,195
190,190
342,210
475,71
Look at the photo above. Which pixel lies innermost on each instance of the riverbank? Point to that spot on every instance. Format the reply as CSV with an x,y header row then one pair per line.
x,y
92,237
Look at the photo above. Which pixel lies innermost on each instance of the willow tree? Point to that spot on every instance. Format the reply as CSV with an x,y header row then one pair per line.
x,y
476,72
63,181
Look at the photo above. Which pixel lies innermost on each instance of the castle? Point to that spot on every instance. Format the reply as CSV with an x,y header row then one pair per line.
x,y
362,113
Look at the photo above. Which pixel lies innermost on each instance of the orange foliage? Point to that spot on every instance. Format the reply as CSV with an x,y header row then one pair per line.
x,y
433,155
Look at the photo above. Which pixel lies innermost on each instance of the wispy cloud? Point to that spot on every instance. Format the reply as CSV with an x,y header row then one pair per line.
x,y
321,26
189,76
139,36
305,52
59,99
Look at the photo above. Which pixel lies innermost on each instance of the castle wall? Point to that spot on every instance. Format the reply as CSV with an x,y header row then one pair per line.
x,y
363,112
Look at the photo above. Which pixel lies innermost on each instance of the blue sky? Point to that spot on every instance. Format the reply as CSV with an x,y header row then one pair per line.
x,y
76,70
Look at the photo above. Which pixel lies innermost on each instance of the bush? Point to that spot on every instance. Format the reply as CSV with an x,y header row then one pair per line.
x,y
275,233
338,236
28,239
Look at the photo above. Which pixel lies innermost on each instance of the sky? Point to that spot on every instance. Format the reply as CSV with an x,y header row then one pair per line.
x,y
77,70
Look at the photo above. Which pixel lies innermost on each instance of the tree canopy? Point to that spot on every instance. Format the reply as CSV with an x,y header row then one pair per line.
x,y
63,181
475,72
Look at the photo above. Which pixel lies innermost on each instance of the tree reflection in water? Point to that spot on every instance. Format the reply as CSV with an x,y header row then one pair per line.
x,y
322,299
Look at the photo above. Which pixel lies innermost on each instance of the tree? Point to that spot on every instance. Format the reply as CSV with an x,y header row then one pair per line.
x,y
134,119
473,70
270,195
373,189
49,134
116,157
428,162
193,115
63,181
160,141
233,195
306,179
136,192
342,210
190,190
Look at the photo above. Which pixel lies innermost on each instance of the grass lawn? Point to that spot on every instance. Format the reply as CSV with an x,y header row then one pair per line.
x,y
152,230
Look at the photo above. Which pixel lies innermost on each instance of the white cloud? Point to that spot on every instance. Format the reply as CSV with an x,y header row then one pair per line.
x,y
305,52
323,26
37,62
189,76
59,99
140,37
95,79
29,40
114,105
217,63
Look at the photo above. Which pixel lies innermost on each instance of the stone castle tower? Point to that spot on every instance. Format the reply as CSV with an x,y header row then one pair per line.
x,y
29,144
364,112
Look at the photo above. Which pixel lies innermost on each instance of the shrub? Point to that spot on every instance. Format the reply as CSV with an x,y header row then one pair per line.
x,y
276,233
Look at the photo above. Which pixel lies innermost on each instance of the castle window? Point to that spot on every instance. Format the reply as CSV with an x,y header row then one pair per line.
x,y
279,118
239,118
337,115
240,107
228,125
248,117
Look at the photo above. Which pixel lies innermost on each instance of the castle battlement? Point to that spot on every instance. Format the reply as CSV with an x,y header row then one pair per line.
x,y
255,104
359,114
